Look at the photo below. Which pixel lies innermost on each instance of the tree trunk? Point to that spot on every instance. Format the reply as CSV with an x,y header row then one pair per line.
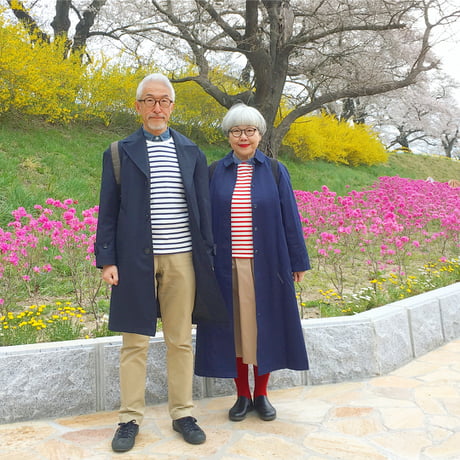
x,y
403,140
448,143
61,21
82,30
270,67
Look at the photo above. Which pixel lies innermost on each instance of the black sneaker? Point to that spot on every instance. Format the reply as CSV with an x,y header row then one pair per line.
x,y
124,437
191,432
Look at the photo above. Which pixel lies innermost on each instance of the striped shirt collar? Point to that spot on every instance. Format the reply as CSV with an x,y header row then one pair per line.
x,y
164,136
239,160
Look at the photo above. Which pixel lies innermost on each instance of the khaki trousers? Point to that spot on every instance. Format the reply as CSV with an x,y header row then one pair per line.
x,y
244,310
175,290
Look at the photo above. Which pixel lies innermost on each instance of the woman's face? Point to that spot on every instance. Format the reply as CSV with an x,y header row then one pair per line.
x,y
244,139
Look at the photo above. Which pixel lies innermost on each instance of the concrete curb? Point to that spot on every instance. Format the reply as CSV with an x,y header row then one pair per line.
x,y
76,377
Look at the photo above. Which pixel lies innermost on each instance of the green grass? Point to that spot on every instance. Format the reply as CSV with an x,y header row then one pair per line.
x,y
314,174
39,160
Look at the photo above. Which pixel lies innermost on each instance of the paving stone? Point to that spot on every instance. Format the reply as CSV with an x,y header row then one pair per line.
x,y
411,413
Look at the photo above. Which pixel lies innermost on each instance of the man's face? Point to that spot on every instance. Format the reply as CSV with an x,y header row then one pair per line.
x,y
155,118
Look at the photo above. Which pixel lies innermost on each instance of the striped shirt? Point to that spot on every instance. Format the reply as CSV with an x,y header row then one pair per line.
x,y
241,213
168,206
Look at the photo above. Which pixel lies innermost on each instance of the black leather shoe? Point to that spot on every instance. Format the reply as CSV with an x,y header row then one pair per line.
x,y
188,428
263,407
239,410
124,437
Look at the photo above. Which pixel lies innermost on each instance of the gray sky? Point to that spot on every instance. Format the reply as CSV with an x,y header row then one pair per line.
x,y
449,52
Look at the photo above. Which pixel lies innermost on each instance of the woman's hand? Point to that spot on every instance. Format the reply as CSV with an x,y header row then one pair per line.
x,y
110,274
298,276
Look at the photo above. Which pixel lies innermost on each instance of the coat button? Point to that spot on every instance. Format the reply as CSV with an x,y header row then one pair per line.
x,y
147,251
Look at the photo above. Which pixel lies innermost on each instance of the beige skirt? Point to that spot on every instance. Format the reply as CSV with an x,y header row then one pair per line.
x,y
244,310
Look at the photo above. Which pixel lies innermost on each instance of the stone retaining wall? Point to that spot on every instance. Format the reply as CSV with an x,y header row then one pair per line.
x,y
81,376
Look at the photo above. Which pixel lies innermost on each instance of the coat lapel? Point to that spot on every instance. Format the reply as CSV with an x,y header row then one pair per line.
x,y
186,157
136,148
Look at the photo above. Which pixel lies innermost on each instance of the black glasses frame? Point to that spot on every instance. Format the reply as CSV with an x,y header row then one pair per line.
x,y
164,102
237,132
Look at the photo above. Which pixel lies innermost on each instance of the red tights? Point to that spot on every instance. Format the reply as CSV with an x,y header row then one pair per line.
x,y
242,381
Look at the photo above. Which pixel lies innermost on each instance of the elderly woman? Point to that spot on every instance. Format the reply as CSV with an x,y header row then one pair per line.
x,y
260,252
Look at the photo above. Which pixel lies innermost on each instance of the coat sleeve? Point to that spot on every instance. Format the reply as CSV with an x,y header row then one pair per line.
x,y
291,222
204,202
109,205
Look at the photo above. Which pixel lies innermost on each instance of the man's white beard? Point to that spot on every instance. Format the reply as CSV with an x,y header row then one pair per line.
x,y
157,125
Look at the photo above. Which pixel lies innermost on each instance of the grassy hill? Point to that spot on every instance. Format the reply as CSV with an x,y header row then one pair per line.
x,y
38,161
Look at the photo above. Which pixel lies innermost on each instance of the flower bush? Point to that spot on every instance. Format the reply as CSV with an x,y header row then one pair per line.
x,y
48,323
375,235
326,137
365,245
51,246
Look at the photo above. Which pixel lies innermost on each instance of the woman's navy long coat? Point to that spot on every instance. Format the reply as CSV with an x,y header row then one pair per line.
x,y
124,235
279,250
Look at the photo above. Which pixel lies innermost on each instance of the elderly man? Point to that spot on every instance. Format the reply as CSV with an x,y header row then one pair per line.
x,y
154,245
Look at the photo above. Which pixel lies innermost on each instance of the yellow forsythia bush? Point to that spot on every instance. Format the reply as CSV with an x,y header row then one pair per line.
x,y
39,78
34,77
108,90
327,138
195,110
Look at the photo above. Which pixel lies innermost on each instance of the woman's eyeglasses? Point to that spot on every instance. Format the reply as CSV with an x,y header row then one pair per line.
x,y
236,132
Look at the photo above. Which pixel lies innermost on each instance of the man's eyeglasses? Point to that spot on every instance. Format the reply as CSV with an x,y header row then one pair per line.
x,y
236,132
164,102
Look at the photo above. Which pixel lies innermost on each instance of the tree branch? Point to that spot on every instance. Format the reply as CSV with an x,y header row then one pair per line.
x,y
21,13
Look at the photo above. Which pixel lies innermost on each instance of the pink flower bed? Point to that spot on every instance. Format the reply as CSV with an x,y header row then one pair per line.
x,y
382,228
376,230
34,243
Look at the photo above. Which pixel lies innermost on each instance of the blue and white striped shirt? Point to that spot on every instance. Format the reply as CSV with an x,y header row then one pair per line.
x,y
168,206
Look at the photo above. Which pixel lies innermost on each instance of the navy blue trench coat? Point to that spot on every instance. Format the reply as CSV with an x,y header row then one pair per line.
x,y
123,236
279,250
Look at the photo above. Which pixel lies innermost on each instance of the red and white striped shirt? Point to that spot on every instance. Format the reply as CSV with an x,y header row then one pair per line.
x,y
241,213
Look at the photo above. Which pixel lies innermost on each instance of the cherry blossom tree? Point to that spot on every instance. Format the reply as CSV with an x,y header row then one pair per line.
x,y
424,116
310,53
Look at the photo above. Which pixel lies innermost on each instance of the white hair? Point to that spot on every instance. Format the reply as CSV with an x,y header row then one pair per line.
x,y
242,114
158,77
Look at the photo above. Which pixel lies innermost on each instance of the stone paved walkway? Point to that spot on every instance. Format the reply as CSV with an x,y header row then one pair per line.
x,y
411,413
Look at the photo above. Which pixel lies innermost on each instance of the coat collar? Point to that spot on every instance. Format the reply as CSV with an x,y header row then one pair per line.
x,y
259,157
135,147
164,136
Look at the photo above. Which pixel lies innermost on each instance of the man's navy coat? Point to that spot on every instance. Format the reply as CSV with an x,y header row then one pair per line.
x,y
124,237
279,250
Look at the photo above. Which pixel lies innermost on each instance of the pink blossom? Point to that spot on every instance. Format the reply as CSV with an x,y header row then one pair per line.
x,y
387,219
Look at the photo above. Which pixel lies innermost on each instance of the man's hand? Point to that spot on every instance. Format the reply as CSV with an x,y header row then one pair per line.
x,y
298,276
110,274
